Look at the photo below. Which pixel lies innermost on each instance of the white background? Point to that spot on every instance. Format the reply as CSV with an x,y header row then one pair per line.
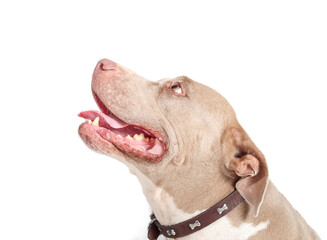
x,y
268,58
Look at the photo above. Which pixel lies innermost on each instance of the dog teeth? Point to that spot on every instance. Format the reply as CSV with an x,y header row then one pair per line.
x,y
139,137
96,122
129,137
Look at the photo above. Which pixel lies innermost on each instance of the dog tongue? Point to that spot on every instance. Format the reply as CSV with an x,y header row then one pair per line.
x,y
110,119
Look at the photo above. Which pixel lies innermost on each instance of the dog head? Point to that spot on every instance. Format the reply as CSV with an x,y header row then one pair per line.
x,y
180,134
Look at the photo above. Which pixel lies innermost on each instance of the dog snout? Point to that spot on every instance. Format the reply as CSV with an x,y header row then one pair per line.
x,y
105,71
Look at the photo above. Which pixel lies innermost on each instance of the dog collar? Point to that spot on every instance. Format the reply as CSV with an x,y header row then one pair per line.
x,y
196,223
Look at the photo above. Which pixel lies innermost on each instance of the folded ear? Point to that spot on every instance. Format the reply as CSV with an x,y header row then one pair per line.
x,y
245,160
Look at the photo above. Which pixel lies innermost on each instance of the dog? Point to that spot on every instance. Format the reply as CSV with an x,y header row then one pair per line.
x,y
201,173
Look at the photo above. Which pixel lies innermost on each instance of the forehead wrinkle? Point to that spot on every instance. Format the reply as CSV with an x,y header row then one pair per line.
x,y
163,81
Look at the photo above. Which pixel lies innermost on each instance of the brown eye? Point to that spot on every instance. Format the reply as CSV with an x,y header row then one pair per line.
x,y
177,88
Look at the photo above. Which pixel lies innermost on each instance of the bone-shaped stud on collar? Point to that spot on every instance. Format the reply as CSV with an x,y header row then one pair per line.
x,y
220,210
171,232
195,224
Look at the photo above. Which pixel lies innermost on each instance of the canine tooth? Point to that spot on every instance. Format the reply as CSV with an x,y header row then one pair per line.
x,y
89,121
120,136
146,139
96,122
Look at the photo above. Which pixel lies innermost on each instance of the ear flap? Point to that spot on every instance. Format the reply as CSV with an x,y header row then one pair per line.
x,y
247,162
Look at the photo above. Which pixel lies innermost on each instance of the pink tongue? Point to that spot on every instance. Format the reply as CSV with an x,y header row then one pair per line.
x,y
157,148
111,120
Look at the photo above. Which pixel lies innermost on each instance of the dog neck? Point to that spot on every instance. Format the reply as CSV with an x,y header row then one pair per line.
x,y
161,202
168,213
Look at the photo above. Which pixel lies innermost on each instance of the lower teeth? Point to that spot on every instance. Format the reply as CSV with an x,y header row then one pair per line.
x,y
137,137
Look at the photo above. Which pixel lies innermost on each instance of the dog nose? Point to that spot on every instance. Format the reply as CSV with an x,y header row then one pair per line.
x,y
106,65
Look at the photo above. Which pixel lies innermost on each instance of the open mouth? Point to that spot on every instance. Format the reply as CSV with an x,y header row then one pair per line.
x,y
137,141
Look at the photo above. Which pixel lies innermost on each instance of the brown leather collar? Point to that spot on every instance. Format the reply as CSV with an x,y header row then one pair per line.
x,y
196,223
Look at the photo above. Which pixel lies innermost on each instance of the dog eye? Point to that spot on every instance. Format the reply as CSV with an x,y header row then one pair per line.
x,y
177,88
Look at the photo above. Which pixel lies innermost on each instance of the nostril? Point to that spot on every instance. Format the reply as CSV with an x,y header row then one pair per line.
x,y
107,65
102,67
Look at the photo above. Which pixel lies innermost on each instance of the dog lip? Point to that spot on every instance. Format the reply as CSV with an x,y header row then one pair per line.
x,y
152,151
108,121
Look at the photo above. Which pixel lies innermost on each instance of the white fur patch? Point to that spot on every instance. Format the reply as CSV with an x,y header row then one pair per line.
x,y
224,230
167,212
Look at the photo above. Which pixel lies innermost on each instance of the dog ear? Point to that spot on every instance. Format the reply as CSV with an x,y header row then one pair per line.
x,y
248,164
